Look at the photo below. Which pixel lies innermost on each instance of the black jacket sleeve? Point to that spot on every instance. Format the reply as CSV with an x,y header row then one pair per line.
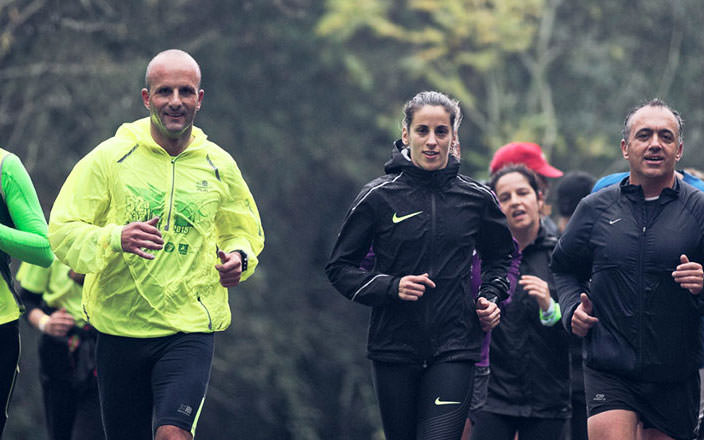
x,y
353,243
31,300
572,262
495,247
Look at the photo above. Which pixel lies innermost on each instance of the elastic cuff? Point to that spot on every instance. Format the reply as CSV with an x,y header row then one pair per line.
x,y
552,316
116,239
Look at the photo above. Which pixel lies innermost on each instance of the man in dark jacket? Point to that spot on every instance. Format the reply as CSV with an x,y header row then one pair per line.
x,y
629,281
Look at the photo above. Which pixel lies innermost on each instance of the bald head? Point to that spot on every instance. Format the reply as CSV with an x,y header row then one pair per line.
x,y
170,59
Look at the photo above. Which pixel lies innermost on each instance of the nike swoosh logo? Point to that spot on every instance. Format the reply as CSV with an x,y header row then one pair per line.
x,y
397,219
611,222
439,402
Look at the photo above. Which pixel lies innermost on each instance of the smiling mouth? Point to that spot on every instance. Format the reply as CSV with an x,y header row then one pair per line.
x,y
517,213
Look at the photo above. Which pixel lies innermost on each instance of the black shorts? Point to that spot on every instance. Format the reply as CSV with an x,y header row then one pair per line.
x,y
165,376
671,407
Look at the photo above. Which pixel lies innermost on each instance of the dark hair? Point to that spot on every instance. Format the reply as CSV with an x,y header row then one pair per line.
x,y
433,98
521,169
573,187
656,102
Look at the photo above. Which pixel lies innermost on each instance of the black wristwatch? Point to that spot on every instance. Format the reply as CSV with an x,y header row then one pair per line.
x,y
243,254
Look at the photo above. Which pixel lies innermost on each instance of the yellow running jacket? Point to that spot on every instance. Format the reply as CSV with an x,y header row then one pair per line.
x,y
203,204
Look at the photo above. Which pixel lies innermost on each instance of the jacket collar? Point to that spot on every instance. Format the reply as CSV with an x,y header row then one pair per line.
x,y
542,240
635,192
139,132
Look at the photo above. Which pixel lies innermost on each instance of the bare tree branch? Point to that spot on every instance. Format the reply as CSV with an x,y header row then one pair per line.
x,y
674,52
16,19
42,68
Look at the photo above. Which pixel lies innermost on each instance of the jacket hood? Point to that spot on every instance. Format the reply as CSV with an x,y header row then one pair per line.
x,y
400,161
139,131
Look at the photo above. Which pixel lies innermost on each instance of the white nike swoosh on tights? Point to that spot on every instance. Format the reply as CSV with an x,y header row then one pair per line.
x,y
439,402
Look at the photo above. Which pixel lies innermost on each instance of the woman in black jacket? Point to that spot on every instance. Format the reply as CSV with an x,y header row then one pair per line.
x,y
529,382
424,221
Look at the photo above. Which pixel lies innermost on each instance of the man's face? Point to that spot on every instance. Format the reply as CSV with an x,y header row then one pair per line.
x,y
653,147
173,98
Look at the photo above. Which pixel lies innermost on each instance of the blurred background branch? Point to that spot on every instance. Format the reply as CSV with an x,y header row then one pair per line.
x,y
307,96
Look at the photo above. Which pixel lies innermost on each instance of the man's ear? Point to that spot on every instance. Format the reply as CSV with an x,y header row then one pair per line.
x,y
680,151
201,92
404,136
624,148
145,98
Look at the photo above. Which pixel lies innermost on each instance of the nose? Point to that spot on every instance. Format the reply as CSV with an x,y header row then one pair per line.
x,y
655,141
432,140
175,99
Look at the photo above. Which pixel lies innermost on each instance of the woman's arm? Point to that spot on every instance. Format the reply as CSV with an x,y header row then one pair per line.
x,y
343,268
28,240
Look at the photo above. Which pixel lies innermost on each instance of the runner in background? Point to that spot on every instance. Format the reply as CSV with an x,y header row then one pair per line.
x,y
573,187
67,372
23,235
530,155
529,383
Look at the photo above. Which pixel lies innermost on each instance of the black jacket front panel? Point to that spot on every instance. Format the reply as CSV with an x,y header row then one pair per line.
x,y
421,222
623,250
529,361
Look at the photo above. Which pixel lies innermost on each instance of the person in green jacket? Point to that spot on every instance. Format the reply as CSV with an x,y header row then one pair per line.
x,y
52,298
161,221
23,235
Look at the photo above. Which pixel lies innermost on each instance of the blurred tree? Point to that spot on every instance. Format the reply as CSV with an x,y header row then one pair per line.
x,y
558,73
475,50
292,364
306,95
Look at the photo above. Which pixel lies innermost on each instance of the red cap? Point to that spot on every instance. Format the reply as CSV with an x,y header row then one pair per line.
x,y
526,153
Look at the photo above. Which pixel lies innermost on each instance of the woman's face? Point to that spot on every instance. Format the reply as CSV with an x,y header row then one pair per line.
x,y
519,202
429,137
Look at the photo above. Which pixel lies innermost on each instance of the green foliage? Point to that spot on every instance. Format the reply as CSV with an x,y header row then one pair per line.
x,y
306,95
463,48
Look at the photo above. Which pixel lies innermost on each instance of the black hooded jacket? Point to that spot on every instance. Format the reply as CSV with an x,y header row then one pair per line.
x,y
621,250
530,367
419,222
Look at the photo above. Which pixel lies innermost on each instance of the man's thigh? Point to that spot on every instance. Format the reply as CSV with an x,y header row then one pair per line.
x,y
124,385
180,380
615,424
669,408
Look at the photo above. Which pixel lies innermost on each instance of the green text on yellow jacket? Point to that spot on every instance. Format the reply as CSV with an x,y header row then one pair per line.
x,y
203,204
